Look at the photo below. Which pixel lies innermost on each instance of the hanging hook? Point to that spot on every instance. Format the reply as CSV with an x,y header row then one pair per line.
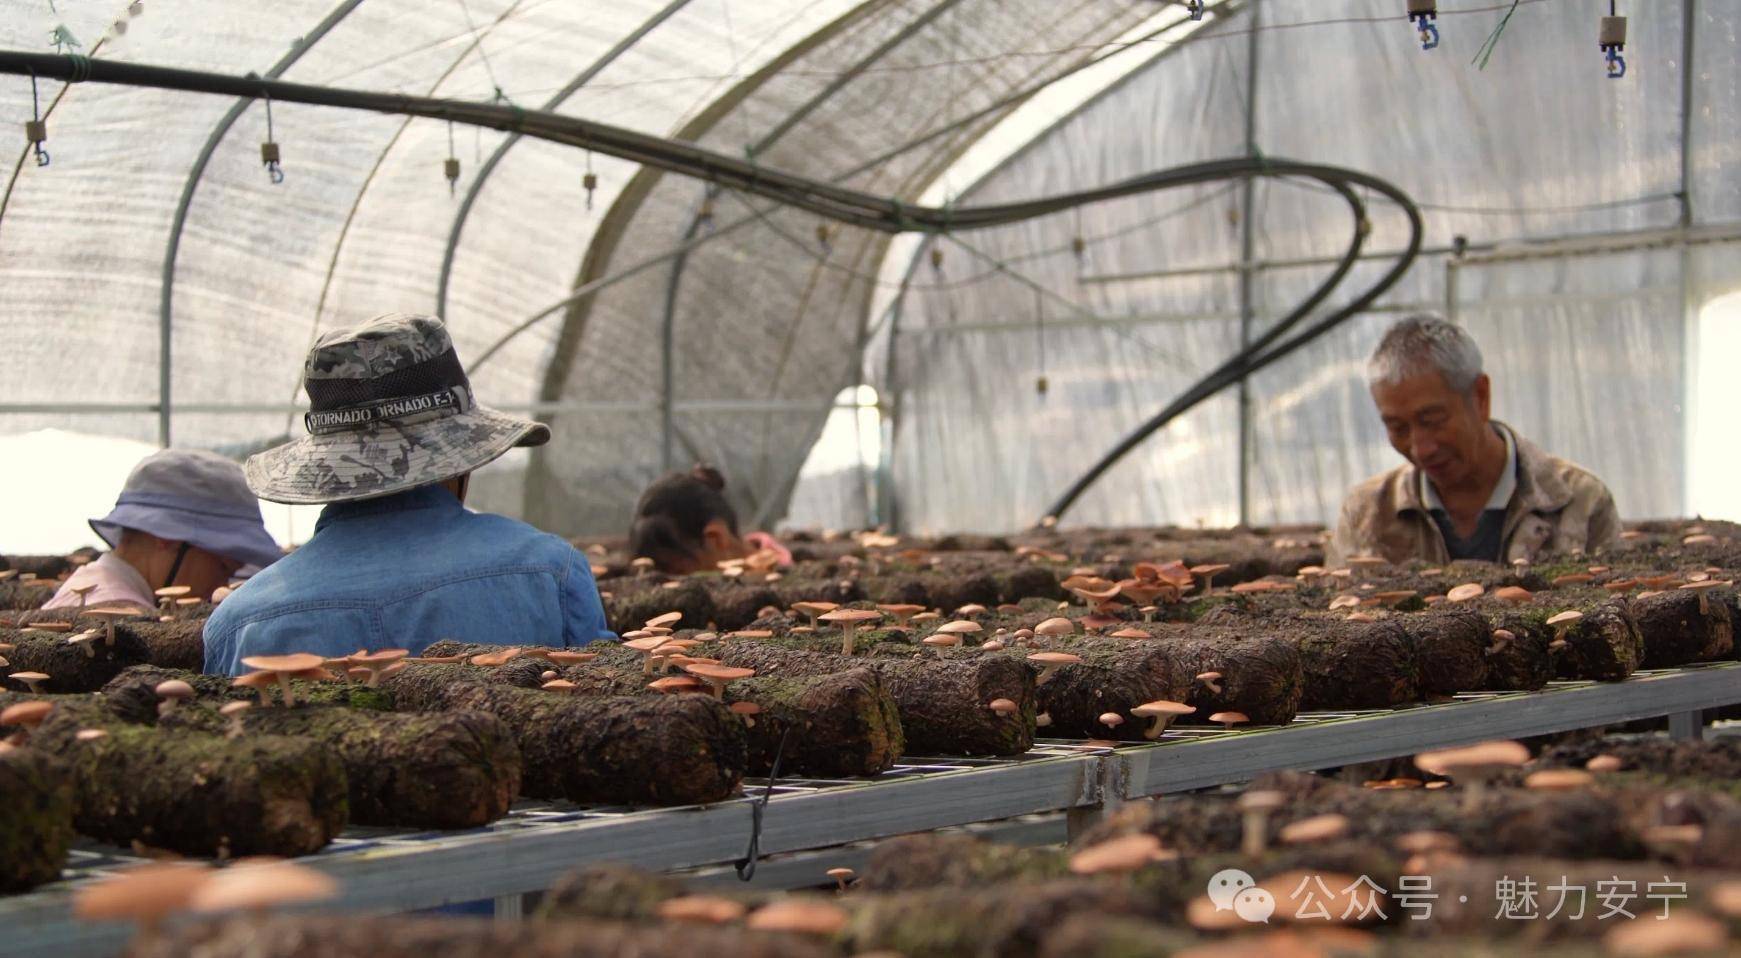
x,y
450,166
35,130
1194,8
1612,39
269,152
589,182
1423,13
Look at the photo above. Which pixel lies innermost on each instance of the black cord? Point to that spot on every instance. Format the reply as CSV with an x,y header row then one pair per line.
x,y
746,866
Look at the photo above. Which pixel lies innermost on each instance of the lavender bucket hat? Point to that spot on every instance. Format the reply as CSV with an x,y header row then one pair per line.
x,y
192,496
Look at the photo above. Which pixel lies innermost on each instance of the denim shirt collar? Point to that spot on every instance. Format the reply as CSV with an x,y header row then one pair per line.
x,y
423,497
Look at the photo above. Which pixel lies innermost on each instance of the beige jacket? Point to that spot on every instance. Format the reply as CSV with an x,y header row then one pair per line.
x,y
1558,507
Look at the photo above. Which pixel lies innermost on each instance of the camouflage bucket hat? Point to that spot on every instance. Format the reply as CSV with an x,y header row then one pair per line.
x,y
390,409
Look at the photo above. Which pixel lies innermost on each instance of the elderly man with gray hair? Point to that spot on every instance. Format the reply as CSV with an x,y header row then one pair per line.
x,y
1472,487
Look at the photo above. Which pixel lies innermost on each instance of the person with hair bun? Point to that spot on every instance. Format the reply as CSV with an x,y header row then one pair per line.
x,y
684,524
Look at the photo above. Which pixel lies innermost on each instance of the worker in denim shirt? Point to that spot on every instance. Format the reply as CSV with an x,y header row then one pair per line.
x,y
396,561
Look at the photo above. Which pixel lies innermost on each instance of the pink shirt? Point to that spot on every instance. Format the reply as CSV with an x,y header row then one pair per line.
x,y
117,583
757,541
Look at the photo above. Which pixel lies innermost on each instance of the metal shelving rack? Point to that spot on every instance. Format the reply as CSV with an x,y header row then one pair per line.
x,y
386,870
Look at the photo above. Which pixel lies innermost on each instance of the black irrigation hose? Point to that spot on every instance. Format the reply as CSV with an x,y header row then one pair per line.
x,y
1253,357
825,199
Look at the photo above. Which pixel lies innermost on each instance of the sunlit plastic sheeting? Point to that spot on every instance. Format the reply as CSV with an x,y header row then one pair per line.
x,y
1586,351
772,312
359,224
1716,128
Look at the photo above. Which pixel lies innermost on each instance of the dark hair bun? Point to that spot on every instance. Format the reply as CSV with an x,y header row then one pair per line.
x,y
708,476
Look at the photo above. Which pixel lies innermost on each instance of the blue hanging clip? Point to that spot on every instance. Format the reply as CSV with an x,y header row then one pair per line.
x,y
1423,13
1612,40
1194,8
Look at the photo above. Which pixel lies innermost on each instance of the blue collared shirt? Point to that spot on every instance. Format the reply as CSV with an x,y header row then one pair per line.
x,y
405,571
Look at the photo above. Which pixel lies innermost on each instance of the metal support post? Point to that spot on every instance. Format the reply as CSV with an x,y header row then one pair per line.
x,y
1687,726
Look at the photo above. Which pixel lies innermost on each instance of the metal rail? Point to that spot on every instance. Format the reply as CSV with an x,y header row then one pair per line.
x,y
388,870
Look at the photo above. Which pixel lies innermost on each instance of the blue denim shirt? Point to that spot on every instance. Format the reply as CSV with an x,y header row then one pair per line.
x,y
406,571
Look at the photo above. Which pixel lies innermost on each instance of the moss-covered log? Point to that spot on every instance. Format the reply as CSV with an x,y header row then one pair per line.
x,y
130,694
192,792
70,667
1261,676
172,645
1450,649
1523,661
1468,901
1114,676
1678,627
659,750
943,705
450,769
937,860
36,818
635,600
1353,665
843,724
1001,921
24,596
294,936
1604,645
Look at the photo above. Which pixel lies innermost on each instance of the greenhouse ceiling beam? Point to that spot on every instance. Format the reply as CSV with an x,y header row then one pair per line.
x,y
594,275
294,409
475,46
1217,12
488,168
674,283
592,287
166,302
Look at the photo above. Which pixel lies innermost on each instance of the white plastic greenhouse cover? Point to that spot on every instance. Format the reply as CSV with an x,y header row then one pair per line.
x,y
741,347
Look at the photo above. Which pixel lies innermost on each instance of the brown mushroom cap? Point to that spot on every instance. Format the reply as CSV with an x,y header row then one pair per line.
x,y
1111,719
901,612
144,894
1367,562
1131,633
800,916
1604,763
1162,707
380,655
707,909
27,714
1318,828
1559,779
718,673
941,640
1210,568
664,619
1229,719
671,684
257,886
173,591
1003,706
294,662
235,708
1261,800
90,734
561,657
29,678
258,681
1566,618
1680,933
645,644
174,689
1513,595
1055,626
960,627
1054,658
850,616
559,685
1445,761
744,708
1126,853
1465,592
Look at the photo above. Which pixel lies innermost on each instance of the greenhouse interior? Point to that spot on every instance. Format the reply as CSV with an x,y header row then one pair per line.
x,y
919,478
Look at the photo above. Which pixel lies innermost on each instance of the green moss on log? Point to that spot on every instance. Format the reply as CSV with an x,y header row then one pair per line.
x,y
36,818
658,750
196,793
